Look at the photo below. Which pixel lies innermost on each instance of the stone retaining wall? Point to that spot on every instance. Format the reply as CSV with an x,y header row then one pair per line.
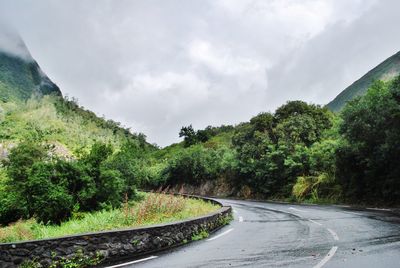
x,y
113,245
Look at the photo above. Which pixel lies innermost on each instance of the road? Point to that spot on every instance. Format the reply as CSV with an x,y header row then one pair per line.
x,y
283,235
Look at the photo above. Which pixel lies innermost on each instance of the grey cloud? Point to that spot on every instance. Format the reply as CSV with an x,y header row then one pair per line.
x,y
335,58
11,43
158,65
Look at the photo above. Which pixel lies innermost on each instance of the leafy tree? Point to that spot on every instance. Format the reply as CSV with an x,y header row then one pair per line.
x,y
50,188
368,158
131,165
193,165
50,199
300,129
106,180
17,197
189,135
273,149
192,137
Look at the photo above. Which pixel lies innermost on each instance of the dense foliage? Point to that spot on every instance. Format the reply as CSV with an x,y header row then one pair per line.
x,y
274,149
60,159
301,151
20,79
369,156
192,137
147,209
51,189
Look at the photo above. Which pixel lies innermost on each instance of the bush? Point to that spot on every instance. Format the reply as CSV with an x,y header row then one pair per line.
x,y
50,188
50,199
194,165
12,207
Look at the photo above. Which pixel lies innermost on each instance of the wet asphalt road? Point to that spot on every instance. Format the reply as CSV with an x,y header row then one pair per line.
x,y
284,235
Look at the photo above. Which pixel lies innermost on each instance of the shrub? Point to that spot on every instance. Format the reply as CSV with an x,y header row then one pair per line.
x,y
50,199
50,188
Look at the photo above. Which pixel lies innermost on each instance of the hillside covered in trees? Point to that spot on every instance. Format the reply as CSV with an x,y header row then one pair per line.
x,y
59,160
301,152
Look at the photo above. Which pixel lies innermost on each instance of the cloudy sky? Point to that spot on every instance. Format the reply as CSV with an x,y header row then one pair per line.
x,y
158,65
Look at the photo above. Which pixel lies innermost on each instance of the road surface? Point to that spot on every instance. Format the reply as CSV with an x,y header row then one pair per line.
x,y
284,235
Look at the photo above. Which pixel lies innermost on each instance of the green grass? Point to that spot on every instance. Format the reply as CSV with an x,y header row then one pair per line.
x,y
152,209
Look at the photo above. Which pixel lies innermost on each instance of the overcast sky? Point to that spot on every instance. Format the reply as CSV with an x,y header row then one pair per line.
x,y
158,65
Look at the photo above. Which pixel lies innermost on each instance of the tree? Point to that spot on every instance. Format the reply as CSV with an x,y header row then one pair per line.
x,y
299,129
51,201
189,135
273,149
109,186
50,188
368,158
17,198
194,166
130,163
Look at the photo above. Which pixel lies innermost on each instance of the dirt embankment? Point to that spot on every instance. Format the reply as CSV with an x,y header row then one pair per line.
x,y
218,188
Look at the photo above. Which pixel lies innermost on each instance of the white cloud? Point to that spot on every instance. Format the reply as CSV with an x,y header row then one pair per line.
x,y
159,65
222,61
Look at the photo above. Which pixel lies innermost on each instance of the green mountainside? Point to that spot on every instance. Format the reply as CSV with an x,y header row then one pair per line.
x,y
58,159
32,108
21,78
385,71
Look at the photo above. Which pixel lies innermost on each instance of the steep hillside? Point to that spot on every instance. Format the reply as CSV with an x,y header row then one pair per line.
x,y
61,123
32,108
20,75
387,70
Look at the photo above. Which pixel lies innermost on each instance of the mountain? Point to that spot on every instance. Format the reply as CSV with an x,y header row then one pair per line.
x,y
20,75
386,70
32,108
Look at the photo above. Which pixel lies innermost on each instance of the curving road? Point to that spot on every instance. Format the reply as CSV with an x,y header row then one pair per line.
x,y
283,235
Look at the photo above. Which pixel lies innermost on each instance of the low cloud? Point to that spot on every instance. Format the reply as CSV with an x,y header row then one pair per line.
x,y
11,43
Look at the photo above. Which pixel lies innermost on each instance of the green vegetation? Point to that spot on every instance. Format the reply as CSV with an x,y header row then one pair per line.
x,y
226,220
50,188
20,79
59,158
61,123
79,260
385,71
302,152
64,170
368,156
192,137
262,158
151,208
200,235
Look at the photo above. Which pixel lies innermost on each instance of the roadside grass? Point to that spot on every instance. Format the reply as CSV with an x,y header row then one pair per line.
x,y
154,208
321,189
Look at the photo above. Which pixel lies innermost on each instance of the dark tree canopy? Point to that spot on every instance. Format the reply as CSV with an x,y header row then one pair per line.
x,y
369,156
